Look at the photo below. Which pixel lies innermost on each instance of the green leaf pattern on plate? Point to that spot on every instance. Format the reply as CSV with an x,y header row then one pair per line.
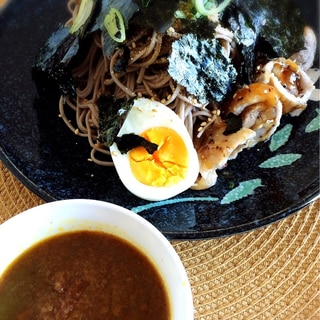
x,y
280,138
244,189
151,205
280,160
314,124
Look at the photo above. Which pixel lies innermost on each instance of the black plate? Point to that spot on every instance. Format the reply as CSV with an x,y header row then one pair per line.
x,y
52,162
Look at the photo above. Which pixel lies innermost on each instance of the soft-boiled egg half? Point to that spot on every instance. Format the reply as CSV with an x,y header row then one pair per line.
x,y
172,168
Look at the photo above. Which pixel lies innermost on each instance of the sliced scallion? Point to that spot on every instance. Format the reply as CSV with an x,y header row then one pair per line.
x,y
84,13
115,26
202,7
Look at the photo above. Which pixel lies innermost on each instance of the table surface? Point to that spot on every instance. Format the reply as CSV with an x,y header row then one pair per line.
x,y
268,273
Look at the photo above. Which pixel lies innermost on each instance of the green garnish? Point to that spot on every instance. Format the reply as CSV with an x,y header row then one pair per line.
x,y
209,8
85,11
115,26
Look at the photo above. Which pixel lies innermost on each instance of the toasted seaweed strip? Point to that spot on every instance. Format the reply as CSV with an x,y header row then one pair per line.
x,y
130,141
53,60
202,67
260,33
234,123
156,14
112,113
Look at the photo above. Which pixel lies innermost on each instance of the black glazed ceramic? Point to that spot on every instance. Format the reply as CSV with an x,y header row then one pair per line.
x,y
52,162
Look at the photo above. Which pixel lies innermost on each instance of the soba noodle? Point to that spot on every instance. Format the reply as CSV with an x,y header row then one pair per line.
x,y
146,76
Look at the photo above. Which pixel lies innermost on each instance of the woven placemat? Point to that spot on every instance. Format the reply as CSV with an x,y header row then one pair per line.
x,y
270,273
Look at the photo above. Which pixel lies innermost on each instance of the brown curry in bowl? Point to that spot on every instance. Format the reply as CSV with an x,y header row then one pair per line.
x,y
83,275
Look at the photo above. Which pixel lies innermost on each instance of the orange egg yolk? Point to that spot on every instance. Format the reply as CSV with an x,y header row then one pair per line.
x,y
165,167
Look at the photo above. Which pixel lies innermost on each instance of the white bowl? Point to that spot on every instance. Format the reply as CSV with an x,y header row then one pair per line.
x,y
27,228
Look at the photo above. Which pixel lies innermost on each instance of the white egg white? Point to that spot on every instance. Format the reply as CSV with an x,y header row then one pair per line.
x,y
146,114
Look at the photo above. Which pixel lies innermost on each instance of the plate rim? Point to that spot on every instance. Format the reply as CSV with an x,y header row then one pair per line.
x,y
185,235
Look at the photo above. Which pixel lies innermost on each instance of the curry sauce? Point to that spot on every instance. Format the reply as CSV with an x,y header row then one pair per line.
x,y
83,275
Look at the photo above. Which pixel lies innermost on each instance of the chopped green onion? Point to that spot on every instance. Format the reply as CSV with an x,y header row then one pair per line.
x,y
114,24
201,7
84,13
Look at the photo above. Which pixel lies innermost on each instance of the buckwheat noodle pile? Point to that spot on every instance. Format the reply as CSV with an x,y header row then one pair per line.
x,y
145,76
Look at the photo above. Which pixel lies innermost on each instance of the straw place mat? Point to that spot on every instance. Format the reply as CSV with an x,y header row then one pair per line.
x,y
270,273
